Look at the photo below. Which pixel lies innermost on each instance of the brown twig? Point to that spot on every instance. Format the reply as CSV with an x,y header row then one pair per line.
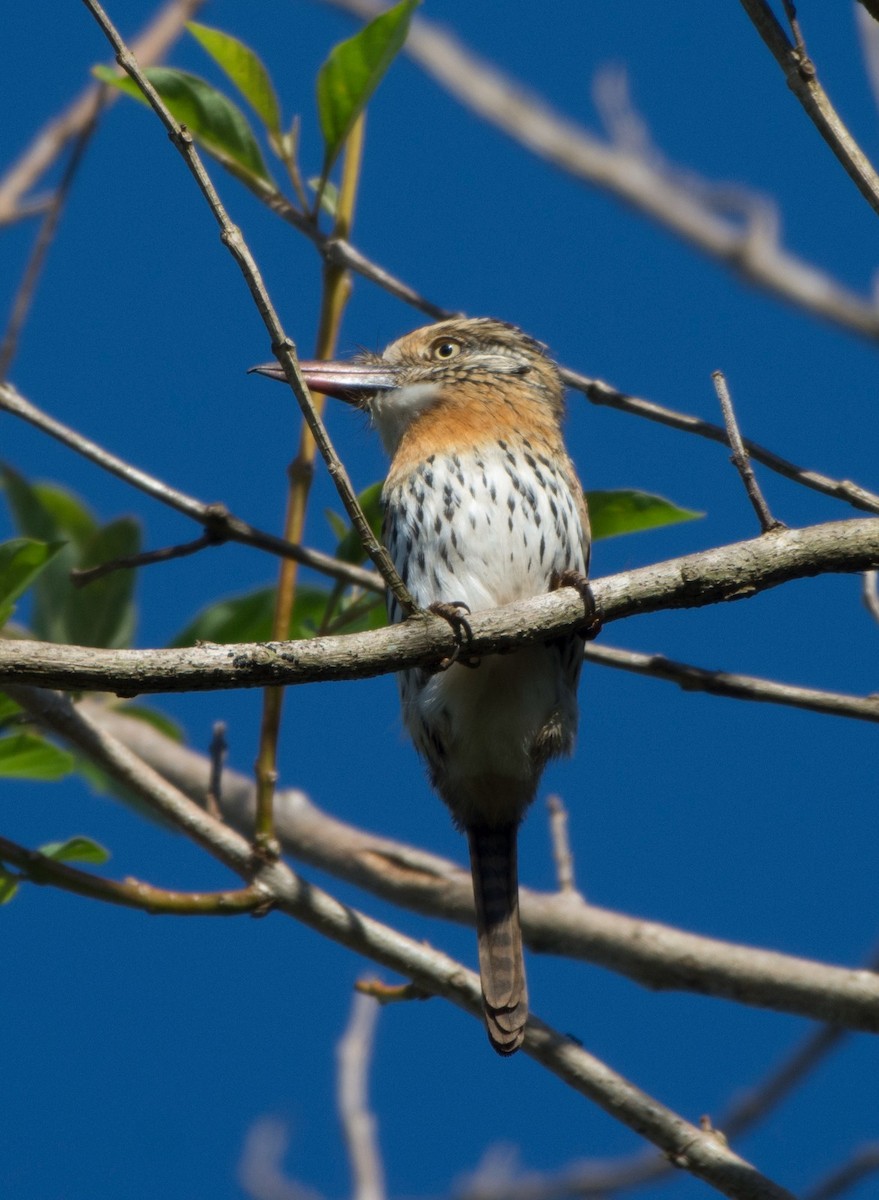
x,y
735,686
218,750
130,893
601,393
739,456
282,346
223,525
799,71
83,576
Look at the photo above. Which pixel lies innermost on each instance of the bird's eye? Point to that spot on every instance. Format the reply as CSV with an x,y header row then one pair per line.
x,y
445,348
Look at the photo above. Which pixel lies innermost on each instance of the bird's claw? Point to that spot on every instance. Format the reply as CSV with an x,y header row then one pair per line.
x,y
570,577
453,612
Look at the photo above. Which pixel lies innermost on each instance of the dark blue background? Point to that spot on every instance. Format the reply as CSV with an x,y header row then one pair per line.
x,y
137,1052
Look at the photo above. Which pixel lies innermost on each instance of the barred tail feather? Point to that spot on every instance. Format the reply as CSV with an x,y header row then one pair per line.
x,y
501,965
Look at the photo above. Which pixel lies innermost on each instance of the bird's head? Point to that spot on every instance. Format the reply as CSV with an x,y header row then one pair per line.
x,y
486,367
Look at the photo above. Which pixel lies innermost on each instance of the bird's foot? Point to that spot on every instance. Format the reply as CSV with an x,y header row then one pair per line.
x,y
453,612
577,580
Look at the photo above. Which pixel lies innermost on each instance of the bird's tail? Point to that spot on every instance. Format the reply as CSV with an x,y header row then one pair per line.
x,y
501,966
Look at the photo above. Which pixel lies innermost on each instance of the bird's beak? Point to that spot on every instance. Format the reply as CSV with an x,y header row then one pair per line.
x,y
349,381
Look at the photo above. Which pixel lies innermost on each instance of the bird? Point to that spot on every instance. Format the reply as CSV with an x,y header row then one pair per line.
x,y
482,507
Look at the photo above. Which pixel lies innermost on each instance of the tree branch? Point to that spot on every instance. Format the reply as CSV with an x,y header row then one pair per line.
x,y
733,685
731,572
799,71
654,955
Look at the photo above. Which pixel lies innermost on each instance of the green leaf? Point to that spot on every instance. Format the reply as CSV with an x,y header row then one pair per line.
x,y
353,71
100,614
76,849
8,887
26,756
218,124
248,618
350,548
21,561
629,511
244,68
103,613
9,710
72,518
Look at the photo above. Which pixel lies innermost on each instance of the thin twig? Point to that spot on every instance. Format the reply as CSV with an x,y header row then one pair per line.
x,y
130,893
359,1126
218,749
48,228
335,292
283,347
83,576
601,393
561,844
799,71
739,457
224,526
735,686
596,391
691,1148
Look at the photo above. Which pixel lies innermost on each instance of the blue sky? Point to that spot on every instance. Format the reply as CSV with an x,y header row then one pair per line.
x,y
138,1051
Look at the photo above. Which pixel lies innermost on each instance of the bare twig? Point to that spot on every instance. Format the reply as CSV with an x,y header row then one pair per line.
x,y
599,392
216,518
131,893
725,573
43,151
83,576
218,750
693,1149
561,844
359,1125
24,298
282,346
735,686
799,71
739,457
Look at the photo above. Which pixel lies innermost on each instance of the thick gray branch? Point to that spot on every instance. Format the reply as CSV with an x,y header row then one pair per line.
x,y
655,955
731,572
